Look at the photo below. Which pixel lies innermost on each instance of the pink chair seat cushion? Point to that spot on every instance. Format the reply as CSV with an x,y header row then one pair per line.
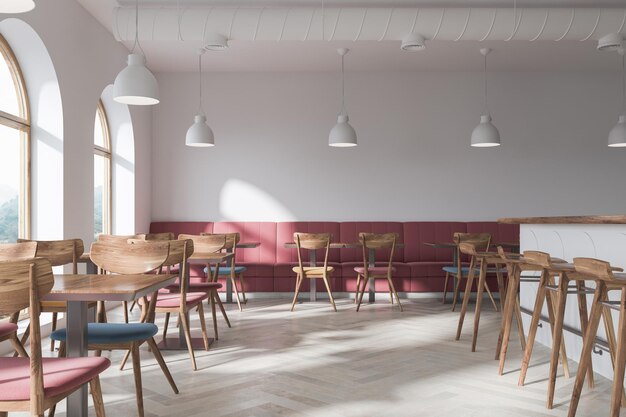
x,y
61,375
172,300
7,328
376,270
196,284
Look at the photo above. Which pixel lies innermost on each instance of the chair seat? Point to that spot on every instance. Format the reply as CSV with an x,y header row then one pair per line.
x,y
376,270
196,284
7,328
60,375
313,270
225,270
112,333
172,300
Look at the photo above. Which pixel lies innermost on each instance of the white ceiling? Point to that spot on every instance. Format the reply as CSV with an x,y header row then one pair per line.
x,y
175,56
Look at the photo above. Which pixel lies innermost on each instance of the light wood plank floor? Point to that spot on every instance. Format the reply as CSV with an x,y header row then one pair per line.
x,y
378,362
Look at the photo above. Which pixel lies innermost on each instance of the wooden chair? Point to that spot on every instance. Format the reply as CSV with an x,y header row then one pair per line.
x,y
232,271
375,241
34,384
183,302
312,241
207,244
606,280
453,271
479,260
59,253
15,252
123,258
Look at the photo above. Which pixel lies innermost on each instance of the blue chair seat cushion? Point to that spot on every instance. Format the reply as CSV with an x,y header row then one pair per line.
x,y
111,333
225,270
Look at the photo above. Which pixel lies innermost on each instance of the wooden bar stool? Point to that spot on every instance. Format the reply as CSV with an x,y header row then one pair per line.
x,y
547,289
481,260
606,280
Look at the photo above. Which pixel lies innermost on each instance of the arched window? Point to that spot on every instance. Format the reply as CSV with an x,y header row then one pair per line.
x,y
14,148
102,172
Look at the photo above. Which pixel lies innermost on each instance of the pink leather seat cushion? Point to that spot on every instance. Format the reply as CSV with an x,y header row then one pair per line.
x,y
172,300
7,328
377,270
60,375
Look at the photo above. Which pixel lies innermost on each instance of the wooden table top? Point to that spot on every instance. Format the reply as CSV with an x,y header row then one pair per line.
x,y
98,287
616,219
248,245
340,245
453,245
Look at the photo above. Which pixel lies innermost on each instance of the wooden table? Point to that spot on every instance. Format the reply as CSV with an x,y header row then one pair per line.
x,y
340,245
451,245
180,343
229,283
78,291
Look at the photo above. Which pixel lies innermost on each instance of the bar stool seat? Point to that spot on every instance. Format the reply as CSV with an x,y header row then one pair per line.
x,y
60,375
104,333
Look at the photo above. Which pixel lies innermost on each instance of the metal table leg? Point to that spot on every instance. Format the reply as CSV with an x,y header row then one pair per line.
x,y
313,282
372,281
77,319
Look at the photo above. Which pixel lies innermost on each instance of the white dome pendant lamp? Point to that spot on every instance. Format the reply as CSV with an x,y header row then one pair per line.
x,y
16,6
617,136
200,134
485,135
135,84
342,135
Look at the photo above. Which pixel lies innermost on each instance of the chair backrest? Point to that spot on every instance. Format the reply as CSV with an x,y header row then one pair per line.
x,y
231,241
18,251
22,284
60,252
594,268
118,238
479,243
158,236
378,241
312,241
124,258
537,258
205,243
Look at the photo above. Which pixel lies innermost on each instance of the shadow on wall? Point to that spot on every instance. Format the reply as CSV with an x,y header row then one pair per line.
x,y
241,201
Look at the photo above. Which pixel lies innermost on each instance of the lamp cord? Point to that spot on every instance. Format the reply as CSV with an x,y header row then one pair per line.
x,y
623,88
485,84
137,44
343,87
200,81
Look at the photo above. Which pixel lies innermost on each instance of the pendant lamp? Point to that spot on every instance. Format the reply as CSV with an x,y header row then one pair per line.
x,y
135,84
16,6
617,136
200,134
485,135
342,135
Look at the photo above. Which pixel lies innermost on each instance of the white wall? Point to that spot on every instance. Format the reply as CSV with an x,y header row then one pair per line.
x,y
271,160
86,59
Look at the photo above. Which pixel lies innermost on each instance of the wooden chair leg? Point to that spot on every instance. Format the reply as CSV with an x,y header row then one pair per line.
x,y
132,305
96,394
356,292
232,280
588,343
455,296
361,292
221,306
620,360
557,339
54,327
159,357
609,329
532,331
393,289
490,294
203,326
507,321
51,411
501,290
330,293
584,321
551,306
243,288
167,322
62,350
24,338
466,297
445,288
125,308
479,300
296,292
17,345
213,313
520,323
125,359
187,331
134,349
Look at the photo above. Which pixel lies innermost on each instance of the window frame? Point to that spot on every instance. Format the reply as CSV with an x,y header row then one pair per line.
x,y
107,153
22,123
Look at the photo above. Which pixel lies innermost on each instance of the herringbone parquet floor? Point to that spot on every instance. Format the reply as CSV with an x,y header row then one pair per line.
x,y
316,363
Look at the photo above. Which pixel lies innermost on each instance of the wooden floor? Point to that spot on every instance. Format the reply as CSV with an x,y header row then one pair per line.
x,y
378,362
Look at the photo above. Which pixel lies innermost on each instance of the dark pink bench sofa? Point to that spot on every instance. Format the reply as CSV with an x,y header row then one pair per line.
x,y
418,267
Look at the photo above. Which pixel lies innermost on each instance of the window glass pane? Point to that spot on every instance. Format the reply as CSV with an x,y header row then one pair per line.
x,y
8,98
98,193
98,134
9,183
